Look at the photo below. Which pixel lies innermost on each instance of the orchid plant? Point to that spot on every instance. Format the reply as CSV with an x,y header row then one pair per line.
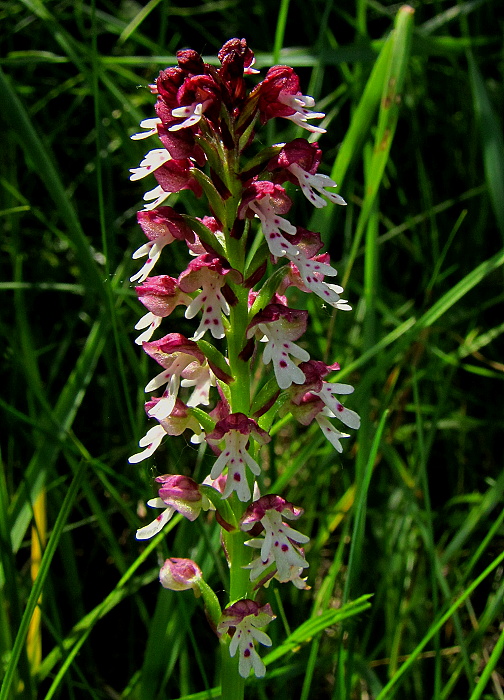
x,y
243,257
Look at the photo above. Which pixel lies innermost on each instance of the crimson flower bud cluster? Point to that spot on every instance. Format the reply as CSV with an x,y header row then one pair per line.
x,y
205,124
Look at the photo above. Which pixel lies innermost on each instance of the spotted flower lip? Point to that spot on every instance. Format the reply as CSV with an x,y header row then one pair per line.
x,y
281,326
236,430
177,494
208,273
319,182
175,353
315,371
243,620
306,270
153,159
161,226
328,395
312,272
268,202
298,162
329,431
176,423
262,572
280,540
160,295
279,96
316,400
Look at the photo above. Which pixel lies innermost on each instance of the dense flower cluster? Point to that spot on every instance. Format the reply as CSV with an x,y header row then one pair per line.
x,y
204,126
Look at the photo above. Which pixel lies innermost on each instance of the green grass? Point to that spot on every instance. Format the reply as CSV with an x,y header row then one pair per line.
x,y
407,527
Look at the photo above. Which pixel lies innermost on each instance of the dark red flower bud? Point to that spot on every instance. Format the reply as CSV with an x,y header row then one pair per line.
x,y
168,83
190,61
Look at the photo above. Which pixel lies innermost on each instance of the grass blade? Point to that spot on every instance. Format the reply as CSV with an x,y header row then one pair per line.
x,y
492,142
36,590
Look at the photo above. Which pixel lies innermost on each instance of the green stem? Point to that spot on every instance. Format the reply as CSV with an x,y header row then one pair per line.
x,y
239,556
240,370
232,684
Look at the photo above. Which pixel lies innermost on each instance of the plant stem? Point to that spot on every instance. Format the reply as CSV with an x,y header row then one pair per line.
x,y
240,369
232,684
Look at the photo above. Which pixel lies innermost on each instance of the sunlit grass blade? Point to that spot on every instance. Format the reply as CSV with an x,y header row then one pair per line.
x,y
465,285
38,543
37,587
283,12
388,115
357,132
137,20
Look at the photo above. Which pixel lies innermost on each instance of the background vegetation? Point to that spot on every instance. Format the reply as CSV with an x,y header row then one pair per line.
x,y
412,511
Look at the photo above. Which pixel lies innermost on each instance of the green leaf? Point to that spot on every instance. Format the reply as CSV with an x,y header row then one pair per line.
x,y
492,141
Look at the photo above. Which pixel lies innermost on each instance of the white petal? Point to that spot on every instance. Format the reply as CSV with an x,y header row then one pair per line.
x,y
252,464
142,251
298,353
151,441
244,665
219,465
152,322
192,112
164,407
257,664
151,125
329,431
145,533
294,534
195,306
158,380
233,645
261,637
